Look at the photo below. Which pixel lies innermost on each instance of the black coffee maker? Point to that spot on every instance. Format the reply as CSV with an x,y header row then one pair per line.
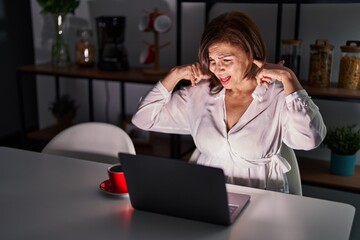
x,y
112,54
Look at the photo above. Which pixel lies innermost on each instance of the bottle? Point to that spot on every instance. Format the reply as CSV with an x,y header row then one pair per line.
x,y
321,58
349,74
291,54
84,49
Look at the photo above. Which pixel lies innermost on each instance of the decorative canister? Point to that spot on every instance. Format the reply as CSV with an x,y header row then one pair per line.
x,y
291,54
84,49
349,75
321,58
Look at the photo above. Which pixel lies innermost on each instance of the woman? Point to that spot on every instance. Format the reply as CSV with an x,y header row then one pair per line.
x,y
239,109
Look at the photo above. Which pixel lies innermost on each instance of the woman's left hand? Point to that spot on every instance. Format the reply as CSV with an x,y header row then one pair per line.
x,y
270,71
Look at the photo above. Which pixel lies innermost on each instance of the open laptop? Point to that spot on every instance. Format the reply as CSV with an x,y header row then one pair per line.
x,y
181,189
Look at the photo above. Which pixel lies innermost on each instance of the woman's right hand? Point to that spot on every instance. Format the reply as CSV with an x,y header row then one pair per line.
x,y
191,72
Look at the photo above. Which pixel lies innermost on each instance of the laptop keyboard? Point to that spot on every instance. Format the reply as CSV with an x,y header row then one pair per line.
x,y
232,208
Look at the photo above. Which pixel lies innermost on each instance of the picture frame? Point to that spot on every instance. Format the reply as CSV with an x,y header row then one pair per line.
x,y
137,135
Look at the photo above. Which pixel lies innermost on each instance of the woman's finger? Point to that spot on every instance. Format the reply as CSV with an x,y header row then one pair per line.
x,y
281,62
258,63
263,81
193,76
200,75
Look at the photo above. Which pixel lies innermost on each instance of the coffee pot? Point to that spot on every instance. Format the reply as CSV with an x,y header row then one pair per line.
x,y
112,54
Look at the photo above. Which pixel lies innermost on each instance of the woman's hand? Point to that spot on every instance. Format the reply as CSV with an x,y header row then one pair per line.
x,y
270,71
190,72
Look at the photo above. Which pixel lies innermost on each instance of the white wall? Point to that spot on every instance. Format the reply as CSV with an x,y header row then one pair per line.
x,y
338,23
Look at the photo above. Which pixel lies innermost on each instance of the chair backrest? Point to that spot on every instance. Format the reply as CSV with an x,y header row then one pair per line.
x,y
293,176
94,141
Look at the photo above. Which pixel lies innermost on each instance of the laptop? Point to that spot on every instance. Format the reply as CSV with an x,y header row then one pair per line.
x,y
181,189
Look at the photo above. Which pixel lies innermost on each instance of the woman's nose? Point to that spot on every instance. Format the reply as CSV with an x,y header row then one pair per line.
x,y
218,68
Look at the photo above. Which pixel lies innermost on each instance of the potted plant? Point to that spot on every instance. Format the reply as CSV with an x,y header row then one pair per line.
x,y
64,110
58,6
343,142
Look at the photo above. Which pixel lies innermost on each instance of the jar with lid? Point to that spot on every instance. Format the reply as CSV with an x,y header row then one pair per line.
x,y
84,49
349,74
291,54
321,58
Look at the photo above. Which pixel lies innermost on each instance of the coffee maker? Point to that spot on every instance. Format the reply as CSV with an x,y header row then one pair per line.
x,y
112,54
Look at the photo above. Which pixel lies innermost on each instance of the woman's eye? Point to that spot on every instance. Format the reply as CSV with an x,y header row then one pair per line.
x,y
227,60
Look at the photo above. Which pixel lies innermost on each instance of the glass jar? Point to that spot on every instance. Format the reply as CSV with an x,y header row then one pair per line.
x,y
349,74
321,58
291,54
84,49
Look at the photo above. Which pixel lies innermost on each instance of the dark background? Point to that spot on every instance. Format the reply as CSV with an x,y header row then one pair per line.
x,y
16,49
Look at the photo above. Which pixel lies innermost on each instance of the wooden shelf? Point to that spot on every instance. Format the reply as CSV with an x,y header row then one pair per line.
x,y
135,75
332,93
317,172
73,73
45,134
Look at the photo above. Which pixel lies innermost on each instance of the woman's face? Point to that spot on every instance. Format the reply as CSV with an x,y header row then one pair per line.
x,y
228,63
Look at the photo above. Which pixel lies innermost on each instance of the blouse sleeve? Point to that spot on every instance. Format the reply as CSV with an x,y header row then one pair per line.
x,y
304,126
163,111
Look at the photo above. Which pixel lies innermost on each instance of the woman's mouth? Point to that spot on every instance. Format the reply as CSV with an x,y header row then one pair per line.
x,y
224,80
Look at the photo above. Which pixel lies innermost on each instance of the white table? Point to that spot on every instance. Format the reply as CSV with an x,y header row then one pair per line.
x,y
51,197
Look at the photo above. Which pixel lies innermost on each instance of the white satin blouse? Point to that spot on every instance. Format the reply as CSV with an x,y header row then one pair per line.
x,y
249,152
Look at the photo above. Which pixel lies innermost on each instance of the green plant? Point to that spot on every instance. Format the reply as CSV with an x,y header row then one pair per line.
x,y
343,140
58,6
63,106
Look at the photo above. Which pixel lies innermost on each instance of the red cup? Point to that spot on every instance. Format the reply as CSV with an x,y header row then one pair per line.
x,y
117,178
147,56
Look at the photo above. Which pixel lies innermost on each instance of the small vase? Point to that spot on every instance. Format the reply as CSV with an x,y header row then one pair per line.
x,y
60,52
342,165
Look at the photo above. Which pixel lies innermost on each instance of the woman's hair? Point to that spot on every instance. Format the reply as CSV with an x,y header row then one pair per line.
x,y
237,29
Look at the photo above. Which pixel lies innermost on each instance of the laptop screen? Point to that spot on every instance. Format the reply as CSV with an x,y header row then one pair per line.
x,y
177,188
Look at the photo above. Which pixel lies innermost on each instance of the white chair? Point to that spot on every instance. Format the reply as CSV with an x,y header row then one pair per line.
x,y
293,176
94,141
